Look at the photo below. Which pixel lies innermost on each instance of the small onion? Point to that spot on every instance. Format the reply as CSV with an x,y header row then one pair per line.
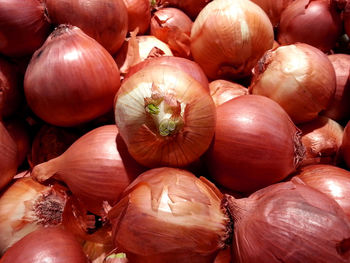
x,y
165,117
169,215
255,144
190,7
299,77
46,245
80,80
223,90
345,147
139,15
229,36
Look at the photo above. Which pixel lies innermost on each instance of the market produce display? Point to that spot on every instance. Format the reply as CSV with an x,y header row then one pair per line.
x,y
168,131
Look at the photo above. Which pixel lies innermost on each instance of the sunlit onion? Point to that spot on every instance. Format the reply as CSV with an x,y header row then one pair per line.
x,y
139,15
223,90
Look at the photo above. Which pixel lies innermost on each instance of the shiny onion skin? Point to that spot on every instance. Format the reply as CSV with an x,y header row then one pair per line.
x,y
169,215
96,168
23,27
104,20
345,147
322,139
139,15
314,22
223,90
229,36
8,157
331,180
173,27
165,117
299,77
80,80
46,245
190,7
255,144
291,223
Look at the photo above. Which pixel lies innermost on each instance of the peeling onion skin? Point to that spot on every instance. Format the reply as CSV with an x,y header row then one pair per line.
x,y
169,215
228,38
46,245
223,90
139,15
80,80
104,20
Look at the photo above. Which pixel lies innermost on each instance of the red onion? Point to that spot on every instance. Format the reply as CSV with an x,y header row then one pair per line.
x,y
165,117
228,38
255,145
331,180
190,7
223,90
169,215
96,168
23,27
104,20
80,80
46,245
173,27
314,22
139,15
299,77
345,147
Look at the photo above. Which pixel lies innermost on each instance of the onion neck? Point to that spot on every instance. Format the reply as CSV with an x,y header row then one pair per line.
x,y
44,171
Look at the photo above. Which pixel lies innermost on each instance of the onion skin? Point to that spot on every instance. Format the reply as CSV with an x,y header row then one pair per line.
x,y
190,7
139,15
46,245
228,38
104,20
345,147
72,90
255,145
299,77
331,180
23,27
223,90
169,215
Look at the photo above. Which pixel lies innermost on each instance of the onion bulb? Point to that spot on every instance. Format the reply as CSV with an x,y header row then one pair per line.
x,y
299,77
223,90
165,117
139,15
229,36
80,80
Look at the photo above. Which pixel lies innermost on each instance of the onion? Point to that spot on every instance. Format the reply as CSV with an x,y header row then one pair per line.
x,y
224,256
104,20
23,27
190,7
139,15
228,38
73,89
289,222
339,107
331,180
223,90
314,22
96,168
345,147
322,139
169,215
255,145
46,245
165,117
299,77
173,27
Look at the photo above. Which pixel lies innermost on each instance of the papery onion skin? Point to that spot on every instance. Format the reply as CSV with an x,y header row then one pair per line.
x,y
331,180
104,20
139,15
96,168
73,89
46,245
345,147
165,117
190,7
228,38
255,144
223,90
23,27
299,77
292,223
169,215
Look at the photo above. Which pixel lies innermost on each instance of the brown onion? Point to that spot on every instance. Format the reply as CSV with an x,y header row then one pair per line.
x,y
139,15
299,77
104,20
223,90
96,168
165,117
314,22
229,36
23,27
322,139
169,215
173,27
190,7
80,80
46,245
345,147
331,180
255,144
